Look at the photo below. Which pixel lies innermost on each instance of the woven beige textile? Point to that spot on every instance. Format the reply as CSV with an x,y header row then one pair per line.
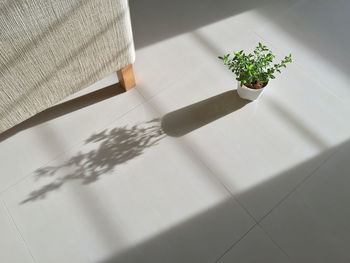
x,y
50,49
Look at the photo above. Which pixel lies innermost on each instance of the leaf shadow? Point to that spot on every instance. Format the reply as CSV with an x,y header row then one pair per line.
x,y
102,152
110,148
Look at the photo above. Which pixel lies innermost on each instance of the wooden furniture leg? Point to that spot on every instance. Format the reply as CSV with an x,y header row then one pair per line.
x,y
126,77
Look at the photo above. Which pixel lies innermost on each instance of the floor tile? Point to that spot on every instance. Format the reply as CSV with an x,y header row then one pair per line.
x,y
176,50
255,247
12,247
149,175
316,33
312,225
128,193
48,134
246,144
157,69
149,26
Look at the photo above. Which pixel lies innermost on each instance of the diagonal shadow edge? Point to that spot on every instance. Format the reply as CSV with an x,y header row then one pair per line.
x,y
208,227
65,108
121,144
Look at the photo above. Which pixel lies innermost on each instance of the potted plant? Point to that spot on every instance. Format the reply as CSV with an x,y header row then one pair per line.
x,y
253,71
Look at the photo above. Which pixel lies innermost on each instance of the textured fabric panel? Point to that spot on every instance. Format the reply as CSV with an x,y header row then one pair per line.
x,y
50,49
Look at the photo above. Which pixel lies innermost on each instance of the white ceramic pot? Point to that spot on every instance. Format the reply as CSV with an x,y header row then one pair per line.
x,y
247,93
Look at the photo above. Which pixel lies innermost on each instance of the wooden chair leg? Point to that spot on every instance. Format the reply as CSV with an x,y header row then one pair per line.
x,y
126,77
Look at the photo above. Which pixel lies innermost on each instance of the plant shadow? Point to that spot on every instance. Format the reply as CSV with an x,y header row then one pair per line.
x,y
192,117
114,147
102,152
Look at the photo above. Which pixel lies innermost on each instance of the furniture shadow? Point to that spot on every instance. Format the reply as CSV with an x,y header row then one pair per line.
x,y
65,108
192,117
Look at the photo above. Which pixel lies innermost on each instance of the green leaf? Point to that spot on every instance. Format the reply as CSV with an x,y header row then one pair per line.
x,y
256,66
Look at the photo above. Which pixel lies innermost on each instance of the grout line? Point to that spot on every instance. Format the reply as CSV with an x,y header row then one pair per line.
x,y
257,222
307,177
274,242
18,231
217,179
235,243
71,147
214,176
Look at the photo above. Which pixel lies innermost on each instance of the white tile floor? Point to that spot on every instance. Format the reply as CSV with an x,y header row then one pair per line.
x,y
182,170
